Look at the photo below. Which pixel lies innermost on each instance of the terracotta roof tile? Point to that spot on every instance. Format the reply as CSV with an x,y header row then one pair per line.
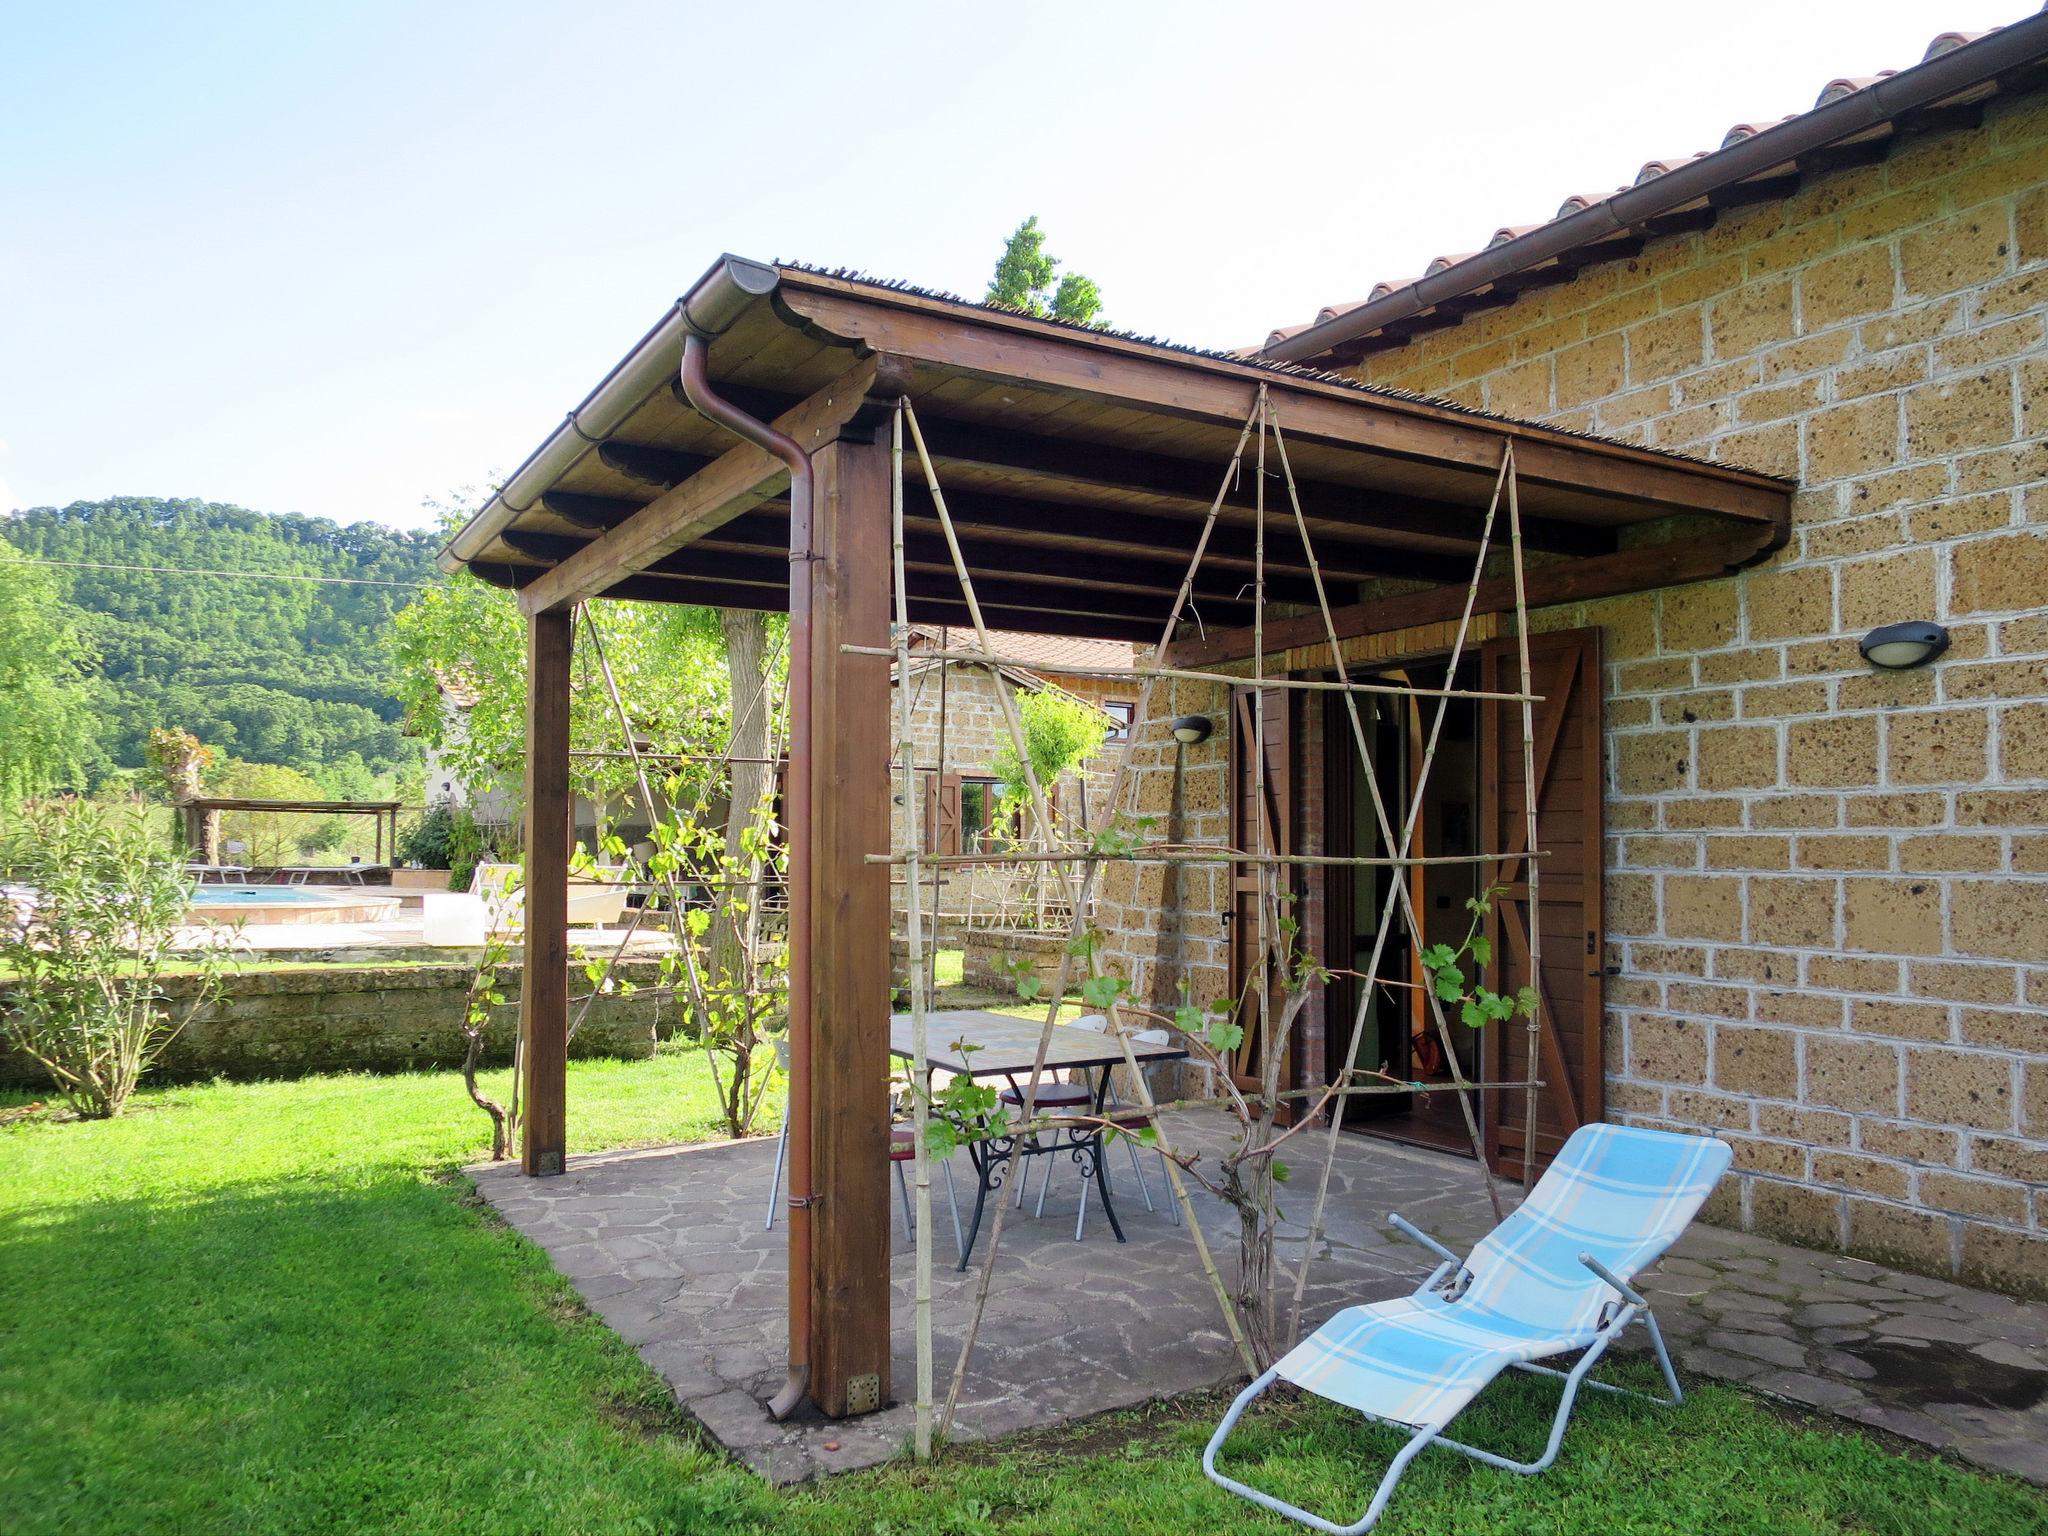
x,y
1834,90
1045,653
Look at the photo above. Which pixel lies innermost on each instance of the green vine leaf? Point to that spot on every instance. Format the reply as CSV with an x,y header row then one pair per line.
x,y
1225,1034
1102,991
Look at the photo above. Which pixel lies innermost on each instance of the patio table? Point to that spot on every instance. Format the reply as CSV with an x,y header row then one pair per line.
x,y
976,1043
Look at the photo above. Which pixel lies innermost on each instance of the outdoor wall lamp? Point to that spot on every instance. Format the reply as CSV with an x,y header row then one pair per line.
x,y
1894,646
1192,730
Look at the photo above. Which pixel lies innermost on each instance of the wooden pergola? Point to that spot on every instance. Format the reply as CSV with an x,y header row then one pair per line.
x,y
738,457
198,812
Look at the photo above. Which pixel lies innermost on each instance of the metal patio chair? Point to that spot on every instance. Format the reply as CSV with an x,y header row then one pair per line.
x,y
1552,1279
1128,1117
901,1151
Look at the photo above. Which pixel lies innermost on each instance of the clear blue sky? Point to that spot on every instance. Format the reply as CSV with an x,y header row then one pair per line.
x,y
339,259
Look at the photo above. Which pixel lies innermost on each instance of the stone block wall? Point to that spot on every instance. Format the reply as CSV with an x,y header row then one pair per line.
x,y
989,956
288,1023
1827,886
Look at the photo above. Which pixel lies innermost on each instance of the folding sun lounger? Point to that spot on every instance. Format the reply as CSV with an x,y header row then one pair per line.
x,y
1550,1280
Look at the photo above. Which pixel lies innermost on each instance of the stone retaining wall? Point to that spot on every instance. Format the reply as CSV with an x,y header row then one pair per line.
x,y
983,964
273,1024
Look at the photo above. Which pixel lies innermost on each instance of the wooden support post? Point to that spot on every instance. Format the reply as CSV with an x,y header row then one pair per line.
x,y
544,984
848,706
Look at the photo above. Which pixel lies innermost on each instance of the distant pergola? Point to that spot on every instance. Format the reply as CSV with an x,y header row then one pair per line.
x,y
199,813
1079,468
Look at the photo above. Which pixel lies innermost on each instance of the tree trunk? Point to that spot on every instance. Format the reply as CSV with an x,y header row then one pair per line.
x,y
746,663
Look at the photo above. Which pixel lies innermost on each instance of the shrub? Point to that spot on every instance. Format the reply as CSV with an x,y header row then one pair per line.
x,y
85,937
446,837
427,841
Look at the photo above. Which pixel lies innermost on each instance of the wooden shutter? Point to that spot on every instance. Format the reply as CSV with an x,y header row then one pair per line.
x,y
1565,669
1257,824
941,819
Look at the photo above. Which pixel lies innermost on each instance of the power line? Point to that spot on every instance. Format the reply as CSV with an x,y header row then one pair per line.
x,y
176,570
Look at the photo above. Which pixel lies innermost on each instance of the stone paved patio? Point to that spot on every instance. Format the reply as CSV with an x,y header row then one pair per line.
x,y
666,1245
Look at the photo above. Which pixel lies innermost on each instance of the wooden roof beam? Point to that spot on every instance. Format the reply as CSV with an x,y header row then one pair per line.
x,y
1086,530
1084,472
737,480
935,609
759,555
650,465
1029,529
1127,374
1629,570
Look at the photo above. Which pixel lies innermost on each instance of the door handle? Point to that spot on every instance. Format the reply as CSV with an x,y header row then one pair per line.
x,y
1606,970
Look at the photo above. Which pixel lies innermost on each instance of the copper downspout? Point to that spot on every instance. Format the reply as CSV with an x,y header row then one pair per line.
x,y
797,794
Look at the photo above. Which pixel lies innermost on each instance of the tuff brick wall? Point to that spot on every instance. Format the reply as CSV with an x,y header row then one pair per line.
x,y
1827,886
1163,923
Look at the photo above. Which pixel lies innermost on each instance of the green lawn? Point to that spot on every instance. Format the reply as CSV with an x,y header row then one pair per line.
x,y
268,1308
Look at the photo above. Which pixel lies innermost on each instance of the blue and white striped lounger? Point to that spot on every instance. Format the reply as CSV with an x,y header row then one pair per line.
x,y
1550,1280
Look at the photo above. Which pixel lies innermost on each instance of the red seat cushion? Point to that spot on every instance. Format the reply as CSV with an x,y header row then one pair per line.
x,y
1053,1095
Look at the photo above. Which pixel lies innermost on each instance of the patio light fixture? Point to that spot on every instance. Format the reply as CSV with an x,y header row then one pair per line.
x,y
1192,730
1896,646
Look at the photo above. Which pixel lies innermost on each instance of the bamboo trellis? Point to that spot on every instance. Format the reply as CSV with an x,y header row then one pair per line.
x,y
1077,867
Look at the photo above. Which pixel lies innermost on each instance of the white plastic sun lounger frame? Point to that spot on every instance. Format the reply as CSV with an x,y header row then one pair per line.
x,y
1593,1323
1452,1271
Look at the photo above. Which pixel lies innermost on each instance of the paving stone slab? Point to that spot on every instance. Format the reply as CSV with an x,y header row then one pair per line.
x,y
667,1245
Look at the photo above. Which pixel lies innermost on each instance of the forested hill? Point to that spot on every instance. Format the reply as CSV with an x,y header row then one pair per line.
x,y
291,672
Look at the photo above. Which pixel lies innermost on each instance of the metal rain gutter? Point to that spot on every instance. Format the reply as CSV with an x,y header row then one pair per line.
x,y
707,310
653,362
2024,42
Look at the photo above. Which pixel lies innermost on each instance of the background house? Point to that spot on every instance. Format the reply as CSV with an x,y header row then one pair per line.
x,y
1801,902
958,732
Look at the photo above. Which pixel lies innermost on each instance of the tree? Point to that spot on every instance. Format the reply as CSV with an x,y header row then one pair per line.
x,y
1025,279
459,663
84,958
265,837
47,725
273,670
1060,732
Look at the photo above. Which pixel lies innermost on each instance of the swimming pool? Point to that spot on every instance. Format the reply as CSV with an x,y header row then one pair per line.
x,y
287,904
228,895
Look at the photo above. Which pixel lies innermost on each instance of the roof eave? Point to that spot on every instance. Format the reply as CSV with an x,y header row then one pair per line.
x,y
709,306
1976,63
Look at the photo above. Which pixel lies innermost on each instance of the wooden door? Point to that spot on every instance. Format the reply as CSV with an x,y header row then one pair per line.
x,y
1257,823
1565,669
